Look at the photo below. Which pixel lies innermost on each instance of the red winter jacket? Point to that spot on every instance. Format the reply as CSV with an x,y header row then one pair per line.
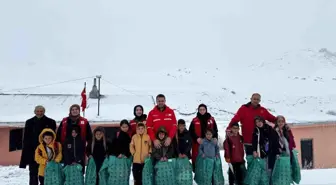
x,y
245,115
234,149
156,119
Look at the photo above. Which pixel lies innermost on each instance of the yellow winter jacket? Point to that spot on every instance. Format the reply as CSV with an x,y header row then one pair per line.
x,y
41,156
140,147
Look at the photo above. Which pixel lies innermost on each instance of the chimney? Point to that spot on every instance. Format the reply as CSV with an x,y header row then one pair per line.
x,y
94,91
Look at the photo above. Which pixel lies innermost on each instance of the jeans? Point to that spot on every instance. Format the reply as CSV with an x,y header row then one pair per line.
x,y
41,179
137,173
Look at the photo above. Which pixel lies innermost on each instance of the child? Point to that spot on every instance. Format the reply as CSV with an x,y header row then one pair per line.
x,y
260,138
74,148
234,155
47,151
120,146
281,141
184,144
164,152
140,147
209,147
97,149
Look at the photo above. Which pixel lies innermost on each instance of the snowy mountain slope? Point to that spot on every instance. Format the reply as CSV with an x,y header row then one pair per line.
x,y
218,52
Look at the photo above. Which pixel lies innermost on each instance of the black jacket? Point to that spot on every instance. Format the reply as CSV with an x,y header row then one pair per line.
x,y
120,145
99,153
184,144
263,140
32,130
73,150
70,124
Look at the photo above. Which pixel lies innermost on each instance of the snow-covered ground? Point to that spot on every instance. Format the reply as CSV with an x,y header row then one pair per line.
x,y
193,51
12,175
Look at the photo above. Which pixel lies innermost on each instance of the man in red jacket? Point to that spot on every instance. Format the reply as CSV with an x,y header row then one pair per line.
x,y
245,115
161,115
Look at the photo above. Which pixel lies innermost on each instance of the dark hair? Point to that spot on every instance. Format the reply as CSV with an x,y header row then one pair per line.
x,y
203,105
76,128
181,122
48,134
160,96
235,125
140,106
209,130
124,121
140,124
259,118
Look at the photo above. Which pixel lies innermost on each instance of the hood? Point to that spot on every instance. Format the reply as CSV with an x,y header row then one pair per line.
x,y
161,129
44,131
145,129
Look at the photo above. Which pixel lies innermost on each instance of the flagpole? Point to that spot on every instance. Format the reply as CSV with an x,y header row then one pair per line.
x,y
85,100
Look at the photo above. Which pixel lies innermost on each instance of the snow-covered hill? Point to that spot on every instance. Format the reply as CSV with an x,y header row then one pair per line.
x,y
217,52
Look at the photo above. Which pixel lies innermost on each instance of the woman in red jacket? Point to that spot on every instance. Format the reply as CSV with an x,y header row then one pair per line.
x,y
139,117
198,127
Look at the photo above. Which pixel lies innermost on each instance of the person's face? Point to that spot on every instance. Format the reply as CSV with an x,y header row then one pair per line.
x,y
162,135
138,111
161,102
208,135
181,127
99,135
281,122
141,130
124,128
73,133
47,139
235,130
202,110
39,112
259,123
74,111
255,100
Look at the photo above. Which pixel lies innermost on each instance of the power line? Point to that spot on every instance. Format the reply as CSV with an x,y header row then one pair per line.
x,y
44,85
120,87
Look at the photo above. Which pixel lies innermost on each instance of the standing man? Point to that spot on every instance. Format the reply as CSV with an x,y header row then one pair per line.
x,y
74,120
245,115
161,115
32,130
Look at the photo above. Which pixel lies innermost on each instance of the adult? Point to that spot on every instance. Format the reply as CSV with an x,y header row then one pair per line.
x,y
74,120
32,130
161,116
198,127
246,115
139,117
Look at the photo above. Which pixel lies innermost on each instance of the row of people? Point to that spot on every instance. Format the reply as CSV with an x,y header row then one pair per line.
x,y
160,116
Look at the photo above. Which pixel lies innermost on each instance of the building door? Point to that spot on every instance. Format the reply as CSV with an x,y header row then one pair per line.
x,y
307,157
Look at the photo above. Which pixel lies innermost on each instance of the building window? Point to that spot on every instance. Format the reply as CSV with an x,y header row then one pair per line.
x,y
110,132
307,154
15,139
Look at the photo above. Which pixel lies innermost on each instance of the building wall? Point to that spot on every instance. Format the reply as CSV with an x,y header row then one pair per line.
x,y
13,158
324,145
7,158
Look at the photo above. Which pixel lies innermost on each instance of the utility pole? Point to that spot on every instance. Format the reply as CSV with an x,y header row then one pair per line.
x,y
98,76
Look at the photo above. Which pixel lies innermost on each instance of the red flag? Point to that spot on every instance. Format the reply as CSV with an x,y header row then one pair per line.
x,y
83,94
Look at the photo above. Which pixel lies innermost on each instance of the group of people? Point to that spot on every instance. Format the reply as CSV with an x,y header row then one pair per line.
x,y
159,136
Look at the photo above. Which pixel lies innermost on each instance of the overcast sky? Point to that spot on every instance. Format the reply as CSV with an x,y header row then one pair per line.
x,y
160,34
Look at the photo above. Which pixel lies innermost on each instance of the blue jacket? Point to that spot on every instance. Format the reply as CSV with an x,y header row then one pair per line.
x,y
208,148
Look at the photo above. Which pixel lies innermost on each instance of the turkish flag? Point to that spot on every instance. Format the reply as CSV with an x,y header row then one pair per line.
x,y
84,103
